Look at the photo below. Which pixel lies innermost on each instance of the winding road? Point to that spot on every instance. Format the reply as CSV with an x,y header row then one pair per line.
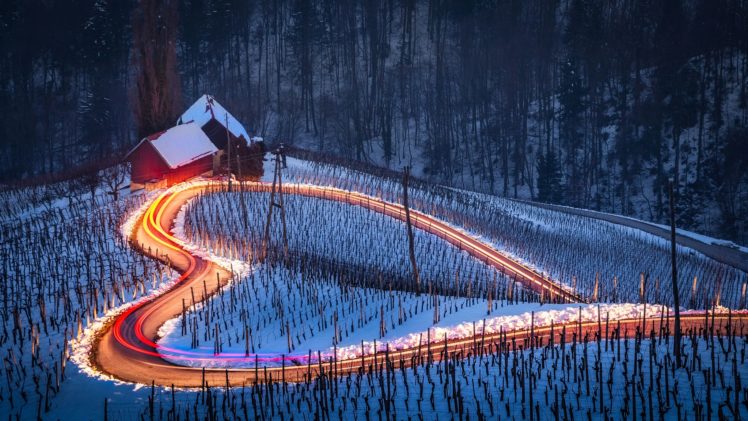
x,y
126,349
732,256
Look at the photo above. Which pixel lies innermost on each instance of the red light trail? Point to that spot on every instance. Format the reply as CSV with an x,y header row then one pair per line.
x,y
127,349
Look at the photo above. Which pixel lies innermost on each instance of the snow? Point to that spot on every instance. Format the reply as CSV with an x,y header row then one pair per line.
x,y
70,235
463,324
128,226
207,108
703,238
81,346
25,204
82,398
564,313
369,239
686,233
183,144
237,267
477,168
570,249
496,384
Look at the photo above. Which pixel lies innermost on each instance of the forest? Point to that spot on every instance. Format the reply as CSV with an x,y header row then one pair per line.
x,y
585,103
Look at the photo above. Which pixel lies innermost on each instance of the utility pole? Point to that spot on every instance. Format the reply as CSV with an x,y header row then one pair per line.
x,y
280,203
245,218
411,243
276,186
228,148
238,160
676,297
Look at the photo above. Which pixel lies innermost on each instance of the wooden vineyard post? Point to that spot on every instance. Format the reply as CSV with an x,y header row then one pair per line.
x,y
184,318
644,279
676,297
411,245
597,286
280,202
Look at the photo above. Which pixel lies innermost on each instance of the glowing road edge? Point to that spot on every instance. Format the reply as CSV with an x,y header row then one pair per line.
x,y
151,224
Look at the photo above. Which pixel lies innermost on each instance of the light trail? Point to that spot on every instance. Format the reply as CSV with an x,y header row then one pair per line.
x,y
128,351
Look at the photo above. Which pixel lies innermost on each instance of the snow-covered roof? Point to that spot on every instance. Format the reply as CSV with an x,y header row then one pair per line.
x,y
207,108
181,144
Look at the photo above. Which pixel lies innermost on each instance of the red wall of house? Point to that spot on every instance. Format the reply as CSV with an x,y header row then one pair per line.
x,y
190,170
147,164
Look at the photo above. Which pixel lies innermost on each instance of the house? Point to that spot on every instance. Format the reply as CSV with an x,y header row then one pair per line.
x,y
214,120
171,156
220,126
196,145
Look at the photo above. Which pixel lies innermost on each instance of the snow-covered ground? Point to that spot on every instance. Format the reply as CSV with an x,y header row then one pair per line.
x,y
349,273
575,250
334,235
67,265
590,379
686,233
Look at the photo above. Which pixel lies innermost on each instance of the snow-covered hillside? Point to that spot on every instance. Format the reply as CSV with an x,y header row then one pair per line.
x,y
571,249
346,285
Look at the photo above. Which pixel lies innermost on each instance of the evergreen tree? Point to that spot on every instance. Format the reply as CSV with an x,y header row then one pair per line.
x,y
102,54
729,176
550,180
572,100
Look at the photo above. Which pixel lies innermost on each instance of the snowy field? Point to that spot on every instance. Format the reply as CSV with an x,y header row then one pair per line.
x,y
66,264
348,278
577,251
342,256
601,376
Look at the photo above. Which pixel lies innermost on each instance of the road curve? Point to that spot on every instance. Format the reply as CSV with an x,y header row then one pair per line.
x,y
728,255
126,348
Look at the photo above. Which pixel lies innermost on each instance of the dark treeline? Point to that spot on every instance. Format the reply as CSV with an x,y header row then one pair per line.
x,y
581,102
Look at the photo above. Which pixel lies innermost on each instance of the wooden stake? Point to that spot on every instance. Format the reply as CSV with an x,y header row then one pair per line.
x,y
411,243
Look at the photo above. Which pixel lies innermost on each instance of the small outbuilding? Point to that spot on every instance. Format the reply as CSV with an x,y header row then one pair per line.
x,y
215,120
171,156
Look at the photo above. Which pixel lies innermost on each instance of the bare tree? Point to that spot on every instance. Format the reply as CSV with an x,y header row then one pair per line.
x,y
90,181
114,177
